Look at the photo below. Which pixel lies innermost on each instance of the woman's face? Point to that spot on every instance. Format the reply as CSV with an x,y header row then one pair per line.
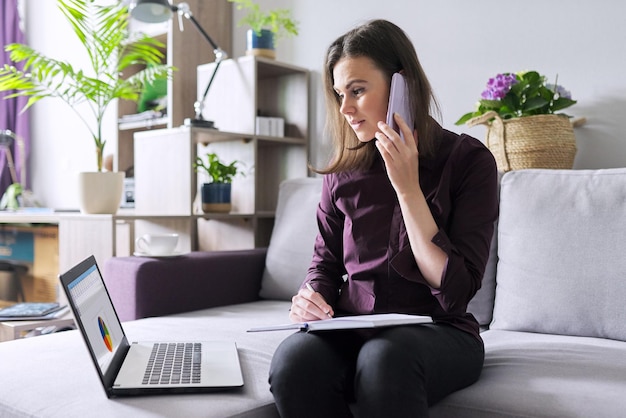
x,y
363,90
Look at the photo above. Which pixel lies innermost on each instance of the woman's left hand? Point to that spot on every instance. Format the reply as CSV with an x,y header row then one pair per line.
x,y
401,157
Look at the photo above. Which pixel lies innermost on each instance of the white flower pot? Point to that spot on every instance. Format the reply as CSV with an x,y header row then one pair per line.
x,y
100,193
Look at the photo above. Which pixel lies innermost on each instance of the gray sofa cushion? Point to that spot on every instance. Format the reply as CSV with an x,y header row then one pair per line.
x,y
291,245
561,243
481,305
541,375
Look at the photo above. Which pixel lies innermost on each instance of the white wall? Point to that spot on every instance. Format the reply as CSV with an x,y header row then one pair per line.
x,y
460,44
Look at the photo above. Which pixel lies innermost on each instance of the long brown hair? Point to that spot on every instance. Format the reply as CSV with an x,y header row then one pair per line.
x,y
390,49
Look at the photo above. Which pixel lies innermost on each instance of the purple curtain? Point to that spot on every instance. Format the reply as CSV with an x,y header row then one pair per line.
x,y
10,116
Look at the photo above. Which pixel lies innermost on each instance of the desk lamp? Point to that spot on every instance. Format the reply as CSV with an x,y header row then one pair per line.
x,y
156,11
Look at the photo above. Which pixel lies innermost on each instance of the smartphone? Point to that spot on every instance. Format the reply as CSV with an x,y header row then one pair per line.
x,y
399,103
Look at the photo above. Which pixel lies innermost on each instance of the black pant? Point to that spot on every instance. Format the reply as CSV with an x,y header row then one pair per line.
x,y
396,372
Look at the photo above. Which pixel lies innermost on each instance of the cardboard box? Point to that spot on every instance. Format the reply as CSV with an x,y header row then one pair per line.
x,y
36,248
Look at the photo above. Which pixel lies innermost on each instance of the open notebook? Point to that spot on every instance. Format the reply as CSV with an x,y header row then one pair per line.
x,y
350,322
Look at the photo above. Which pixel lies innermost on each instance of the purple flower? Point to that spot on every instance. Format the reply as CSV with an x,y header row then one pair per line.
x,y
559,91
499,86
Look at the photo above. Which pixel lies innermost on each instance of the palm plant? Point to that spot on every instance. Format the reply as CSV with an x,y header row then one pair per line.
x,y
103,31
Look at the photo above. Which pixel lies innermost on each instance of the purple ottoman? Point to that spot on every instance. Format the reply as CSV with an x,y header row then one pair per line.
x,y
144,286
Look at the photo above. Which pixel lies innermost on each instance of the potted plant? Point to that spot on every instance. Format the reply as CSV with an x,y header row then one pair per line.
x,y
524,128
103,32
216,194
265,27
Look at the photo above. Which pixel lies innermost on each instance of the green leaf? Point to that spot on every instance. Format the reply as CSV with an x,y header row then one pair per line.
x,y
534,104
490,104
532,78
511,102
465,118
562,103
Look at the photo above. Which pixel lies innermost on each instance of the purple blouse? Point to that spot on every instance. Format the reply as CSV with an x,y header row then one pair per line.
x,y
362,261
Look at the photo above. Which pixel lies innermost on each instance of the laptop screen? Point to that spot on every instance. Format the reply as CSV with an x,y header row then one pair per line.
x,y
99,320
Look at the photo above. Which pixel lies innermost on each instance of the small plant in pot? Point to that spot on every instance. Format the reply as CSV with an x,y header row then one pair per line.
x,y
216,194
265,27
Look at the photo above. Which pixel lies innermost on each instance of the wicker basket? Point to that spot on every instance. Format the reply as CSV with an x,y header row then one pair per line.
x,y
541,141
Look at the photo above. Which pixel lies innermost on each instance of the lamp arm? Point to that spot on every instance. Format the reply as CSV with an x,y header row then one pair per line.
x,y
203,32
199,104
182,9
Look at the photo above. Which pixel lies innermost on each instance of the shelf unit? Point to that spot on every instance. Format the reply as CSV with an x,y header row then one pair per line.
x,y
243,88
184,50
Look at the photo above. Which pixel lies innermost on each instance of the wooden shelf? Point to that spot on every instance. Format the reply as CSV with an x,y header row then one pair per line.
x,y
251,86
144,124
206,136
184,50
230,215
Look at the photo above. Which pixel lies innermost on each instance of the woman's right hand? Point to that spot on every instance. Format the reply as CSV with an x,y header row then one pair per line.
x,y
309,305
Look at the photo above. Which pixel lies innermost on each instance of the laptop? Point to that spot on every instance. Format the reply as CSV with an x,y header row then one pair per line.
x,y
134,368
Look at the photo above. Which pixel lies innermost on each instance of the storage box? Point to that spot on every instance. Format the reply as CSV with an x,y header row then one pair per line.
x,y
270,126
36,248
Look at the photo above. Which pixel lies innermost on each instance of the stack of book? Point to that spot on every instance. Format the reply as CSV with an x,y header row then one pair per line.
x,y
136,117
32,311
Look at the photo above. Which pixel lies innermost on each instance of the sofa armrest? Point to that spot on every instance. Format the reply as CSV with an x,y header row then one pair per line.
x,y
141,287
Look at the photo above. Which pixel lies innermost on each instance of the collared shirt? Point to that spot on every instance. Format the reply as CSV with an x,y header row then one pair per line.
x,y
363,262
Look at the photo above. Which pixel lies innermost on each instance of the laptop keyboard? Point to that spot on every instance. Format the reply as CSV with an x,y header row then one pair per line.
x,y
173,363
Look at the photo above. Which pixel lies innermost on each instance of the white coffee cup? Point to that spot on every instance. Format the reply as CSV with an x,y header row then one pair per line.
x,y
157,244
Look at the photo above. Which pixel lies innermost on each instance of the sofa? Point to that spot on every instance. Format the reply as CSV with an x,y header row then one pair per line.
x,y
551,306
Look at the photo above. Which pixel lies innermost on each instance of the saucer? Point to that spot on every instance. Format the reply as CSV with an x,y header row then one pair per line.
x,y
142,254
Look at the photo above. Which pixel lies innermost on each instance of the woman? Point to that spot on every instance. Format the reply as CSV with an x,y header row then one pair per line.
x,y
403,227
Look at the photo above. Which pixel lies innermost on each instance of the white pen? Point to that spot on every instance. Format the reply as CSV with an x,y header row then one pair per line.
x,y
308,286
